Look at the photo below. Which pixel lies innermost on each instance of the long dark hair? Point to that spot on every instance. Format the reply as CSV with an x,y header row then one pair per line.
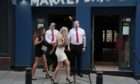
x,y
38,32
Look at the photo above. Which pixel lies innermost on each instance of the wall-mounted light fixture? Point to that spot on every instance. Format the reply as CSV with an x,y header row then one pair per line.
x,y
14,2
24,2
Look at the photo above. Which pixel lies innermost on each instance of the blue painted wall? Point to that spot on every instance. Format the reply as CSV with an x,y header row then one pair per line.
x,y
83,15
137,40
24,32
23,55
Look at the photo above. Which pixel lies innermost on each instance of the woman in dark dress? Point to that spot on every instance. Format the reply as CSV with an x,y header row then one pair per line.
x,y
39,45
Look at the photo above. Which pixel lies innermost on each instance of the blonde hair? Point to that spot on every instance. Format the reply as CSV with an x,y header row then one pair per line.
x,y
64,31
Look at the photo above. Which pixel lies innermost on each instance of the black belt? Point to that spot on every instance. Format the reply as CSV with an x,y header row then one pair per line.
x,y
81,45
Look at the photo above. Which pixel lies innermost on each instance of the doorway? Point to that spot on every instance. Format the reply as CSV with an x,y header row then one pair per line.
x,y
43,16
61,20
106,36
113,38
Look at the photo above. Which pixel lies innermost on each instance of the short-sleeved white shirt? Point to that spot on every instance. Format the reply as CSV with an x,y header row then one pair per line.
x,y
48,35
72,36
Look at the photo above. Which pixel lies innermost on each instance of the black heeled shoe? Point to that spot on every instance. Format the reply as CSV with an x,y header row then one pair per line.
x,y
69,80
48,76
53,81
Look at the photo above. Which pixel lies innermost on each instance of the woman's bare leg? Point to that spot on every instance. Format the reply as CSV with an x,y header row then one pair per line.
x,y
59,65
35,66
67,67
45,63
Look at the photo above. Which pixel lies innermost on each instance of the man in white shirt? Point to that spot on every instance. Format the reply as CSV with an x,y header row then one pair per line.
x,y
51,37
77,44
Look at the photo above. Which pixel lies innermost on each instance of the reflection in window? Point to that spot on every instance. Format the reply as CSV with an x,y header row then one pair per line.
x,y
40,22
103,36
109,36
115,36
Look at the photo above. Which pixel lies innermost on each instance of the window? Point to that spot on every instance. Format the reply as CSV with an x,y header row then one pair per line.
x,y
103,36
109,36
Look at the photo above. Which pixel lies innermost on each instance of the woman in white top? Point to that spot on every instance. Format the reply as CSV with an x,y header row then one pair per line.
x,y
61,56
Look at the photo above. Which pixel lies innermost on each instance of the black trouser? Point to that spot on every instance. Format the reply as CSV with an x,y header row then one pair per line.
x,y
76,53
51,58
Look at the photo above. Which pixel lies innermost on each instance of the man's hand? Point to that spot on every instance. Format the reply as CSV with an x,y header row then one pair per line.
x,y
69,49
52,44
83,49
51,52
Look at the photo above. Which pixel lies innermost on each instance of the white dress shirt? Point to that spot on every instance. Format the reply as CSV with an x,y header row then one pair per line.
x,y
72,36
48,35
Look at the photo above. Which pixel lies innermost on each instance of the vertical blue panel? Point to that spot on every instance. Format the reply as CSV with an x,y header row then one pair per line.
x,y
83,15
23,33
137,40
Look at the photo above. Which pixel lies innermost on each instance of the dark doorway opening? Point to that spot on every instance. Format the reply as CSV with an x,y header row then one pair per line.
x,y
106,42
43,16
61,20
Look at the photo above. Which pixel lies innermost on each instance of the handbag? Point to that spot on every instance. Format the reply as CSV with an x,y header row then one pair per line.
x,y
44,48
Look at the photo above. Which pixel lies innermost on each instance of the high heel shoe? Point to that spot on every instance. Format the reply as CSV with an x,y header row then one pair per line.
x,y
48,76
53,81
69,80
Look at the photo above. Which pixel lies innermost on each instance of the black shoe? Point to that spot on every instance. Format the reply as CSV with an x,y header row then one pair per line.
x,y
71,74
48,76
53,81
53,69
79,74
43,70
69,80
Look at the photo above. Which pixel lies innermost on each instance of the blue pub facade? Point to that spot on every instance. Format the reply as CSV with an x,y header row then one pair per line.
x,y
103,21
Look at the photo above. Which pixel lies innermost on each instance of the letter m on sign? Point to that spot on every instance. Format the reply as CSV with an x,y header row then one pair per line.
x,y
34,2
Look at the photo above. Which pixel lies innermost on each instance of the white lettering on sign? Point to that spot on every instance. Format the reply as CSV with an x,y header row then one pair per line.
x,y
53,2
44,2
63,2
86,1
35,2
99,1
70,2
77,1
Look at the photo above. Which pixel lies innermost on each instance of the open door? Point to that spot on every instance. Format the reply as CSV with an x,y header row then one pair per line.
x,y
106,53
125,42
112,43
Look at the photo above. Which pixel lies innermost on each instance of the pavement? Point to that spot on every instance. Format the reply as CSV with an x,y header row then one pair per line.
x,y
18,77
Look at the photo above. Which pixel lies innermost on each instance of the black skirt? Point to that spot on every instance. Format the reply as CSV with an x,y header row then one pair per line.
x,y
38,48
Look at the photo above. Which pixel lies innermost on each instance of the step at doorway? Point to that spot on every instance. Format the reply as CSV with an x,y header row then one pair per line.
x,y
106,66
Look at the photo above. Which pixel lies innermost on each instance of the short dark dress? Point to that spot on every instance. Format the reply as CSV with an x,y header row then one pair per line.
x,y
38,48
